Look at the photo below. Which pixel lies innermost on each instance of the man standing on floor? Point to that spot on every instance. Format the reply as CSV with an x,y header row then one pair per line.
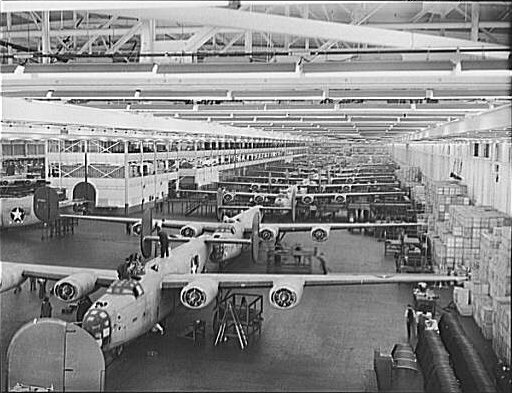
x,y
164,242
409,319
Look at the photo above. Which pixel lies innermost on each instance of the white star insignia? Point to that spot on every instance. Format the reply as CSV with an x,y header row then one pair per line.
x,y
17,215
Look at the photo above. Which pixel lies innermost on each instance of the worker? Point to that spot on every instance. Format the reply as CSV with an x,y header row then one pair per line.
x,y
164,242
83,305
46,308
409,319
42,287
122,270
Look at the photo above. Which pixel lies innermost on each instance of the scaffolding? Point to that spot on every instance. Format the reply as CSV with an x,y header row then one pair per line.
x,y
238,316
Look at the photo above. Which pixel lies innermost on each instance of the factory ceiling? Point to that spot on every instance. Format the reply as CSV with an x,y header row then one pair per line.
x,y
337,70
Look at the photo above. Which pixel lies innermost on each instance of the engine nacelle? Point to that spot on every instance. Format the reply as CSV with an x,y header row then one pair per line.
x,y
136,229
346,188
199,293
320,233
255,187
192,230
10,277
75,286
259,199
286,294
268,235
228,197
340,198
307,199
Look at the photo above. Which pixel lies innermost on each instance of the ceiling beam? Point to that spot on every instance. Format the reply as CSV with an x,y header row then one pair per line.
x,y
493,119
124,39
276,24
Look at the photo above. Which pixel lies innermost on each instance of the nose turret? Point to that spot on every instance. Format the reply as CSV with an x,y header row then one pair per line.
x,y
98,324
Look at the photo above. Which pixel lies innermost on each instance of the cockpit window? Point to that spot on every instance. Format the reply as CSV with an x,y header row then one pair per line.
x,y
126,287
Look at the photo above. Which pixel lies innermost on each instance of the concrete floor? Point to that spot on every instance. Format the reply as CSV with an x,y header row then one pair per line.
x,y
325,344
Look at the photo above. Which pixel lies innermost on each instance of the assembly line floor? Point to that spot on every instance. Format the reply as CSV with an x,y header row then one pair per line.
x,y
325,343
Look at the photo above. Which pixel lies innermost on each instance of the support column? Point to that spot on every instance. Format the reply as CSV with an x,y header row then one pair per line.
x,y
126,179
248,41
9,24
475,17
147,40
45,37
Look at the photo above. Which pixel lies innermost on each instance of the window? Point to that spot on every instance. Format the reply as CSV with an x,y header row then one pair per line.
x,y
476,146
497,150
487,148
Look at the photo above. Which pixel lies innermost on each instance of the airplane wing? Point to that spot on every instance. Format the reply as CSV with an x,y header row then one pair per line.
x,y
302,227
226,280
238,207
353,194
207,225
121,220
209,192
52,272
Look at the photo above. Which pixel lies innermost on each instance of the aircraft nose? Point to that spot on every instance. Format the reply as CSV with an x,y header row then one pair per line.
x,y
97,323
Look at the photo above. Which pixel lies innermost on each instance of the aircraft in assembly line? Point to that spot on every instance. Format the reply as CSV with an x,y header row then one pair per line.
x,y
20,203
132,307
287,199
314,186
339,179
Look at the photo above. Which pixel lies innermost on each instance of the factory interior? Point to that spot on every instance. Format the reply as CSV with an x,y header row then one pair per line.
x,y
255,196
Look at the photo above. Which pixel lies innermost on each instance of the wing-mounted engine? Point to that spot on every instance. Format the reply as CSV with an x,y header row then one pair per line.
x,y
340,198
228,197
320,233
307,199
192,230
75,286
351,180
255,187
199,293
286,293
268,234
136,229
259,199
10,277
346,188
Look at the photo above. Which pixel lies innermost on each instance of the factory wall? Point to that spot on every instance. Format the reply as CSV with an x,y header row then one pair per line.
x,y
485,167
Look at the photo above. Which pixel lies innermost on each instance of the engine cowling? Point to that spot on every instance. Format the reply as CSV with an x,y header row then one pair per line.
x,y
267,234
320,233
340,198
192,230
199,293
346,188
228,197
307,199
10,277
75,286
286,294
255,187
259,199
136,229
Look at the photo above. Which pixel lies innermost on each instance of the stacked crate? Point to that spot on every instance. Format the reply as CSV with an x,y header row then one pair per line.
x,y
408,174
498,269
466,224
501,329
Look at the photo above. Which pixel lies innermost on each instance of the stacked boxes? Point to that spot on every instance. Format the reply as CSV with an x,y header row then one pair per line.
x,y
501,329
466,226
483,314
500,264
408,174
